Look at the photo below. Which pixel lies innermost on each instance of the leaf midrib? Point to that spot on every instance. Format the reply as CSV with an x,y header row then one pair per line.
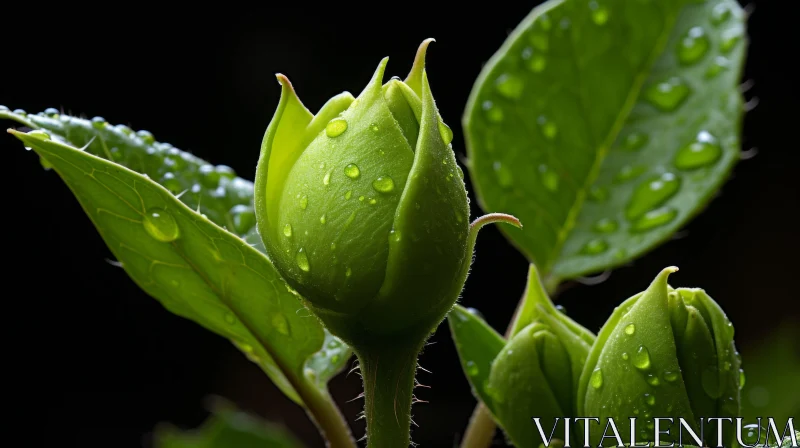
x,y
602,151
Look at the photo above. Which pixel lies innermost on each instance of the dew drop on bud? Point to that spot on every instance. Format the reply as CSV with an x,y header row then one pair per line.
x,y
160,225
352,171
336,127
597,378
641,359
302,260
383,184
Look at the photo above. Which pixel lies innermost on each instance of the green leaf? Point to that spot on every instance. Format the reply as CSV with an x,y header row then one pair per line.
x,y
606,125
227,427
214,191
477,345
193,267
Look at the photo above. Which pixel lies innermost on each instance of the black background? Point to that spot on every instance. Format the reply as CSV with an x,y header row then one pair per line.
x,y
90,360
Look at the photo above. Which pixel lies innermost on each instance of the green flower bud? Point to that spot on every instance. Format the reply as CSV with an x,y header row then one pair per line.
x,y
363,208
663,353
538,371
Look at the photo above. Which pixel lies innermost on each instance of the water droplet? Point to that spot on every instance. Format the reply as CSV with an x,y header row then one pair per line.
x,y
39,135
373,201
281,324
287,230
668,95
741,379
493,113
146,137
549,129
651,194
323,219
348,272
534,60
693,45
650,399
561,309
710,380
336,127
730,38
605,225
720,13
333,344
394,236
302,260
630,329
719,65
598,194
597,378
20,112
349,194
472,368
594,247
244,218
333,245
352,171
625,356
3,108
751,434
374,127
702,152
327,179
549,178
635,141
599,13
503,174
98,122
303,202
383,184
628,172
509,86
671,377
230,318
361,198
654,218
641,359
726,366
159,224
446,132
653,380
335,358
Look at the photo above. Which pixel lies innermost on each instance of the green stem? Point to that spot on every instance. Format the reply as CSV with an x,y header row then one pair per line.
x,y
388,370
326,416
481,428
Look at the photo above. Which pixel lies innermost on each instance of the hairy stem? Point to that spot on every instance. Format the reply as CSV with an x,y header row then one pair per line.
x,y
388,371
481,428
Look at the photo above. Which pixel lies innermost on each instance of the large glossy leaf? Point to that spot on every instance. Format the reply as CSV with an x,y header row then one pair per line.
x,y
477,345
214,191
192,266
227,427
605,125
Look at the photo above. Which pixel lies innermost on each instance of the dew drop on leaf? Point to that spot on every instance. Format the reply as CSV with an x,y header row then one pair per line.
x,y
280,323
595,247
549,178
352,171
326,180
650,399
509,86
446,132
720,13
628,172
693,46
383,184
493,113
549,129
394,236
374,127
597,378
741,379
336,127
472,368
653,380
671,377
630,329
146,136
605,225
650,194
730,38
3,108
20,112
625,356
209,177
349,194
668,95
302,260
654,218
702,152
751,434
98,122
599,13
287,230
534,60
323,219
718,65
160,225
503,174
641,359
303,202
348,272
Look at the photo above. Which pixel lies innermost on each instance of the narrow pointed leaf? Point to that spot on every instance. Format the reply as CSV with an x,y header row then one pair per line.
x,y
477,345
212,190
192,266
605,126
